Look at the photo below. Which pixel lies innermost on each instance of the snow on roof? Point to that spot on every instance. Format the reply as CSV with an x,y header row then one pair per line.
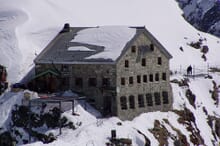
x,y
79,48
112,38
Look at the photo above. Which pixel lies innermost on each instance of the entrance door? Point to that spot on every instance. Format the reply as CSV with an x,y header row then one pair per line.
x,y
107,105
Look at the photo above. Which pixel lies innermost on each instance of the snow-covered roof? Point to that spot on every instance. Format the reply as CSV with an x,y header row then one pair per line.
x,y
103,44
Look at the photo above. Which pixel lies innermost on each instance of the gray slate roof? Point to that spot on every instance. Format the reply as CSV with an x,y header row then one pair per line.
x,y
56,51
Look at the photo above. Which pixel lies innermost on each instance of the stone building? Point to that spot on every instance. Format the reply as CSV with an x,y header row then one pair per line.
x,y
123,71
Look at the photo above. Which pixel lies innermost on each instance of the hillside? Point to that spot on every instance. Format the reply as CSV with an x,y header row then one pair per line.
x,y
28,26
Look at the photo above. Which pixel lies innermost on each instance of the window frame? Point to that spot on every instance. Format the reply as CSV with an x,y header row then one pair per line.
x,y
133,49
138,79
123,103
165,96
164,76
79,82
131,102
149,99
159,60
126,65
123,81
151,78
92,82
141,101
157,77
143,62
157,99
131,80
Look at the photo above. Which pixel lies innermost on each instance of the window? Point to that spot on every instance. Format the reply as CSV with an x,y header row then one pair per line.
x,y
123,102
79,82
145,78
157,98
165,97
131,80
157,77
126,63
133,49
140,100
105,82
64,68
143,62
131,102
92,82
151,78
151,47
122,81
149,99
164,76
159,60
138,79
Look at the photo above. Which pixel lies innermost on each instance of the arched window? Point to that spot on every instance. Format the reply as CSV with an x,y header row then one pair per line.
x,y
149,99
131,102
165,97
140,100
123,102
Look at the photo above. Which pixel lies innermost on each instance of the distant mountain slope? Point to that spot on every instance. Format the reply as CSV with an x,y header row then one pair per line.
x,y
203,14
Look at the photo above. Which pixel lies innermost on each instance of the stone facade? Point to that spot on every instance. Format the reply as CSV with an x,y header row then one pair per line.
x,y
137,69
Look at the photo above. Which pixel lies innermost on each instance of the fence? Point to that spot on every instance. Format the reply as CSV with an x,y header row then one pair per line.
x,y
197,71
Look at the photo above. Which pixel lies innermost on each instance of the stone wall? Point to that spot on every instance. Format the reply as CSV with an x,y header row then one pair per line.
x,y
135,68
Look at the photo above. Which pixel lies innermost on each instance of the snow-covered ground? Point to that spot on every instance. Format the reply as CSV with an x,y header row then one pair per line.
x,y
27,26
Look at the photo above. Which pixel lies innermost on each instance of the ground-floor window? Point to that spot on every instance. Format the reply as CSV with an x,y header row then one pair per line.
x,y
78,82
140,100
157,98
123,102
165,97
131,102
149,99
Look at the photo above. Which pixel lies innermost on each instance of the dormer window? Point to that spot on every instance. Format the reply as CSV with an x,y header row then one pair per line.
x,y
151,47
133,49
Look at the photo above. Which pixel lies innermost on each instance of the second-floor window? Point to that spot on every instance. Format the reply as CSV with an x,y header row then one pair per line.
x,y
164,76
145,78
131,80
151,78
138,79
122,81
157,77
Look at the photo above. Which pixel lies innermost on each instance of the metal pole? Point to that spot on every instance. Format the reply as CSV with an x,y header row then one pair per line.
x,y
72,107
60,118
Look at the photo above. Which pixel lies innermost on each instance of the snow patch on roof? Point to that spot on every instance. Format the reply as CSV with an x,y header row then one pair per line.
x,y
113,38
79,48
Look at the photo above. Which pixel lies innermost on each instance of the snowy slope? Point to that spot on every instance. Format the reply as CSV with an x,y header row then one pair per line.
x,y
26,27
